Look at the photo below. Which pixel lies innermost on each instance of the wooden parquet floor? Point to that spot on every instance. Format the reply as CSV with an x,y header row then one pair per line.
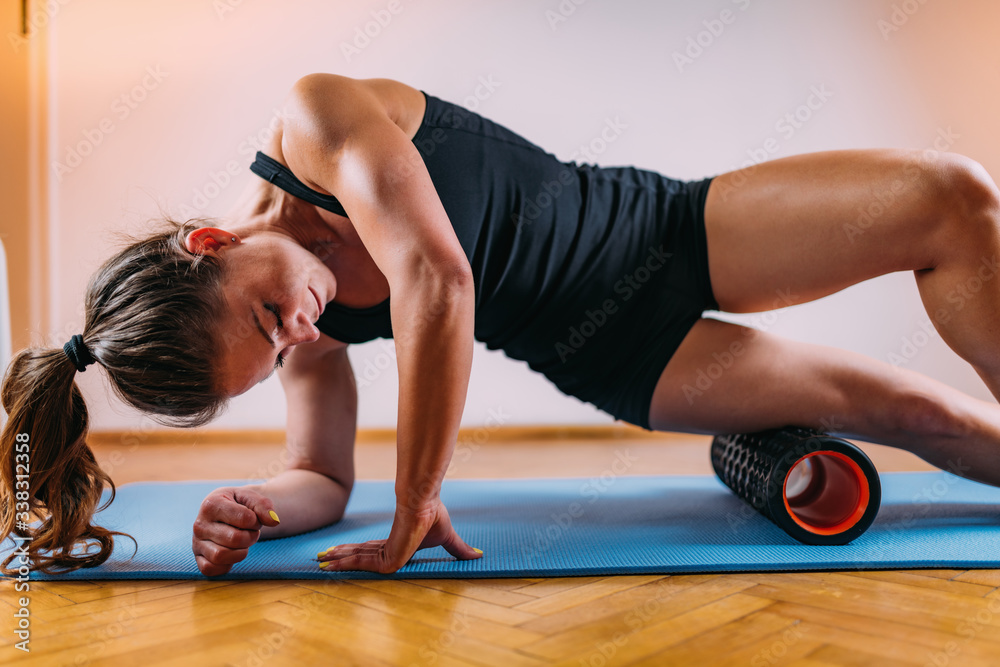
x,y
914,617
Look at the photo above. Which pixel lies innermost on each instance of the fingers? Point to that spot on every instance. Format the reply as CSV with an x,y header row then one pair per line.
x,y
451,541
219,555
227,525
240,507
224,534
214,559
209,569
341,551
220,546
460,550
364,562
368,557
458,547
409,533
221,506
260,505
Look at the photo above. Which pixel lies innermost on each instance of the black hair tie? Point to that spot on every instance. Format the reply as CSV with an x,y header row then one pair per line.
x,y
78,353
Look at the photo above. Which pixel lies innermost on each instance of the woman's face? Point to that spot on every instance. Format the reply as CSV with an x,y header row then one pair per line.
x,y
274,290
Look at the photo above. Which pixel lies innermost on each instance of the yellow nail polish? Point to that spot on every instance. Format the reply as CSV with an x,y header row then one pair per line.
x,y
478,551
274,516
320,554
323,565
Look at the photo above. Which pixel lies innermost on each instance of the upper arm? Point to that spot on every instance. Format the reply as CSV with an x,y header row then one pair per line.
x,y
322,402
338,137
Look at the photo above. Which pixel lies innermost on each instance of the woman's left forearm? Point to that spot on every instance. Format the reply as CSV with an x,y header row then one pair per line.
x,y
433,327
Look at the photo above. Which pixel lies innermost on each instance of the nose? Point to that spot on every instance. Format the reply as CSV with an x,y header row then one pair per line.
x,y
301,329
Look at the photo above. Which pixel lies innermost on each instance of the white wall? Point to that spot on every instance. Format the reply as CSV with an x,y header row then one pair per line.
x,y
225,65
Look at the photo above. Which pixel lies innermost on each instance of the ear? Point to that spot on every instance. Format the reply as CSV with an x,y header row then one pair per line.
x,y
207,239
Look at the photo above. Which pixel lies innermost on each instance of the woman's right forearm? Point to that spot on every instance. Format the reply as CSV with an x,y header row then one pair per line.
x,y
303,500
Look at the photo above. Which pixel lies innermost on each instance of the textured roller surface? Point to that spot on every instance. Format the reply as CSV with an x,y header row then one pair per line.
x,y
755,465
575,526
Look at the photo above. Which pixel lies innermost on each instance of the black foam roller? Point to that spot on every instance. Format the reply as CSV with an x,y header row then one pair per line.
x,y
833,496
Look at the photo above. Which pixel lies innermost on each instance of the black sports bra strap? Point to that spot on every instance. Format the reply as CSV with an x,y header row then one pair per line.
x,y
274,172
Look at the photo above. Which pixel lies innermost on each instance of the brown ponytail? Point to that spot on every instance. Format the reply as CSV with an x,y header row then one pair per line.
x,y
60,470
152,315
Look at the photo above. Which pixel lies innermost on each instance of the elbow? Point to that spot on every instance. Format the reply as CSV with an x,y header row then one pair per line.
x,y
451,271
449,276
454,286
459,275
346,486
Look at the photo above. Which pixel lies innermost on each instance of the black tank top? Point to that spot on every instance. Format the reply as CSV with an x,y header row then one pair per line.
x,y
546,240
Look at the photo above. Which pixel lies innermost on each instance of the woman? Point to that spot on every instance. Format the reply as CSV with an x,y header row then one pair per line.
x,y
596,277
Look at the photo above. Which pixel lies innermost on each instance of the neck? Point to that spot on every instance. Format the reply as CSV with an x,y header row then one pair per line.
x,y
267,208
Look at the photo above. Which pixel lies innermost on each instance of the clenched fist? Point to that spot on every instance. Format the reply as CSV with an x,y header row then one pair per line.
x,y
227,525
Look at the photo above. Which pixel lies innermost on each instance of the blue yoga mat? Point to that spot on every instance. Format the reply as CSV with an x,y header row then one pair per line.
x,y
572,527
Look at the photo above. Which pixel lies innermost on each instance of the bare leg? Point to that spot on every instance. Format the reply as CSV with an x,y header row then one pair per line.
x,y
772,381
807,226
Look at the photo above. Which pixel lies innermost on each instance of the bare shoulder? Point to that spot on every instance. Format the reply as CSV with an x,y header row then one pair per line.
x,y
322,111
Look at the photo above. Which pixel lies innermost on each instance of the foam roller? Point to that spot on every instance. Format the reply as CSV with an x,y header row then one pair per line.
x,y
817,488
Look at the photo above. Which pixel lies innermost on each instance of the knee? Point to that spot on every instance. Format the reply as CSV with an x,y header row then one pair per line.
x,y
964,195
915,414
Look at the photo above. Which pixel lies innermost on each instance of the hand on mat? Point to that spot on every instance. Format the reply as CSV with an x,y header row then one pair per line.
x,y
227,525
411,530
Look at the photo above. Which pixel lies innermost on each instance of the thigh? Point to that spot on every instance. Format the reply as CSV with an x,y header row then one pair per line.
x,y
727,378
798,228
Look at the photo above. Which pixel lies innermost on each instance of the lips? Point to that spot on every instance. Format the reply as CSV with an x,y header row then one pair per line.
x,y
319,304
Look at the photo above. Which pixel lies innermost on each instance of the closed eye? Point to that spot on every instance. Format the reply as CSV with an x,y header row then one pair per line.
x,y
280,361
277,314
